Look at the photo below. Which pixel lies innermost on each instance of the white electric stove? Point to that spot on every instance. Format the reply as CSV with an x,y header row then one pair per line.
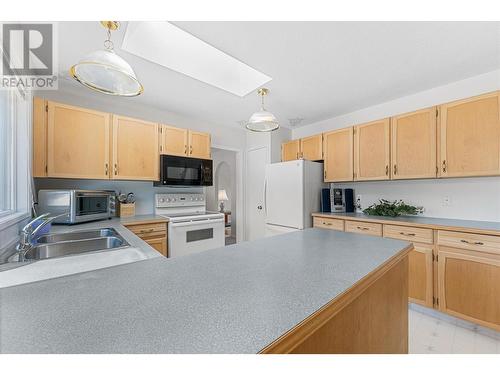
x,y
191,228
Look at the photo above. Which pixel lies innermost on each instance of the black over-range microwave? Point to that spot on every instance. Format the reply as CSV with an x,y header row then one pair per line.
x,y
183,171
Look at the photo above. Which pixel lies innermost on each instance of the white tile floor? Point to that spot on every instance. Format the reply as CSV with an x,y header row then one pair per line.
x,y
432,332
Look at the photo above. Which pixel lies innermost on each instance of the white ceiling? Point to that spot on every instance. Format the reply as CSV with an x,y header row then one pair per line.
x,y
318,69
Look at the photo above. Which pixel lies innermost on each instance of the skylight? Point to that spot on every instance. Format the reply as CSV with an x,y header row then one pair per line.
x,y
165,44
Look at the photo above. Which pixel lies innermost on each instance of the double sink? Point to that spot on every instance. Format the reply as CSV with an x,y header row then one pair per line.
x,y
78,242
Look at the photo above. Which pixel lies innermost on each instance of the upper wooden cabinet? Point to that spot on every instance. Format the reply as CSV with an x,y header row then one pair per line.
x,y
39,163
174,141
290,150
135,149
469,132
184,142
372,150
311,148
199,145
77,142
338,152
413,144
308,148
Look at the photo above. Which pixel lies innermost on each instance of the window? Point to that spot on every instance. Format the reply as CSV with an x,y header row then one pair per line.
x,y
15,116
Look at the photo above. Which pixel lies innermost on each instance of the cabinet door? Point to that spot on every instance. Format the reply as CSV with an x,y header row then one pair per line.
x,y
469,285
371,151
135,149
159,244
338,155
311,148
174,141
470,137
39,138
77,142
290,150
420,277
199,145
413,144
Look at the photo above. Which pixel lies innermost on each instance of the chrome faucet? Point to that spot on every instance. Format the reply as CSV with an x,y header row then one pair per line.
x,y
28,232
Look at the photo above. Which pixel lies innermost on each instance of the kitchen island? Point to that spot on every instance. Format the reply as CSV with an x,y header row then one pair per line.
x,y
311,291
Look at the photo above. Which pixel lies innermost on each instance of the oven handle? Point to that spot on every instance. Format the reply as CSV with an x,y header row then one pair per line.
x,y
195,222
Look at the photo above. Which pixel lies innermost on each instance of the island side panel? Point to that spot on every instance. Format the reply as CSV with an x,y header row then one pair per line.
x,y
372,317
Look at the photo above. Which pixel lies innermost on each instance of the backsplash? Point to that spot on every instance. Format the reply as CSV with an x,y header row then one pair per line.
x,y
144,191
455,198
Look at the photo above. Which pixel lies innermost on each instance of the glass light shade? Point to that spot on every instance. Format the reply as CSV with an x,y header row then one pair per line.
x,y
222,196
106,72
262,121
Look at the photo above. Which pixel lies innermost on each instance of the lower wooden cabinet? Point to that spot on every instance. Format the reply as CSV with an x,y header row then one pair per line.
x,y
361,227
153,233
469,285
420,279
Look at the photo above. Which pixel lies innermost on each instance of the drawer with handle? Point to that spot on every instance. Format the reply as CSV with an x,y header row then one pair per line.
x,y
362,227
147,229
328,223
399,232
470,241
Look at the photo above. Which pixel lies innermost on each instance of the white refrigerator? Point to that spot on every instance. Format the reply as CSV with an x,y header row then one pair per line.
x,y
292,191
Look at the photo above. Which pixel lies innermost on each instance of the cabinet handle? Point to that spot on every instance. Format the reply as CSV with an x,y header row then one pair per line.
x,y
297,156
387,170
185,149
472,243
444,166
363,228
190,150
326,223
395,169
325,173
407,234
116,169
147,230
106,169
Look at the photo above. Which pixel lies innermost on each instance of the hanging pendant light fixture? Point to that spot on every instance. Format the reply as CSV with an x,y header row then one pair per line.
x,y
262,121
105,71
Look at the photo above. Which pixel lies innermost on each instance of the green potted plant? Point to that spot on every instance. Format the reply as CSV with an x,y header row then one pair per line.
x,y
394,208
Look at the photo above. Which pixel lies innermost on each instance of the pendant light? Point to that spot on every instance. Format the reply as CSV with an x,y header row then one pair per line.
x,y
262,121
105,71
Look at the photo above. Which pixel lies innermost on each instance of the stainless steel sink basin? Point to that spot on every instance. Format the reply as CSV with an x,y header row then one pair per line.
x,y
78,235
59,249
72,243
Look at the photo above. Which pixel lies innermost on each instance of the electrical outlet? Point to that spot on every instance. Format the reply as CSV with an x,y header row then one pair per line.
x,y
446,201
357,204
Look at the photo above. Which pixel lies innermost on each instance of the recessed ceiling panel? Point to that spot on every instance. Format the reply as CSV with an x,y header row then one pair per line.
x,y
165,44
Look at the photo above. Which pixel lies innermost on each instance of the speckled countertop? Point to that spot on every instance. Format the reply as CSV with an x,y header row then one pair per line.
x,y
236,299
492,227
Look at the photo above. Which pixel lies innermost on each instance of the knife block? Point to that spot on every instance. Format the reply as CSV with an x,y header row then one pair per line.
x,y
125,209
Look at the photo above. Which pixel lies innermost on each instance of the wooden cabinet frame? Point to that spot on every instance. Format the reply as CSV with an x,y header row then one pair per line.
x,y
329,165
427,250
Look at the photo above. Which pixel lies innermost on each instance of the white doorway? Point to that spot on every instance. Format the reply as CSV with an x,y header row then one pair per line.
x,y
225,179
257,159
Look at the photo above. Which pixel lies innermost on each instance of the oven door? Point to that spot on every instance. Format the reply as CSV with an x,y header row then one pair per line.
x,y
183,171
195,236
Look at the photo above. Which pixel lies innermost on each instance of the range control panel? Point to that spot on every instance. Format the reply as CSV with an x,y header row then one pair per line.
x,y
179,200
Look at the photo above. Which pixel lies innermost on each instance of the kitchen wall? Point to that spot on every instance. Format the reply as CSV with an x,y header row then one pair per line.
x,y
469,198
